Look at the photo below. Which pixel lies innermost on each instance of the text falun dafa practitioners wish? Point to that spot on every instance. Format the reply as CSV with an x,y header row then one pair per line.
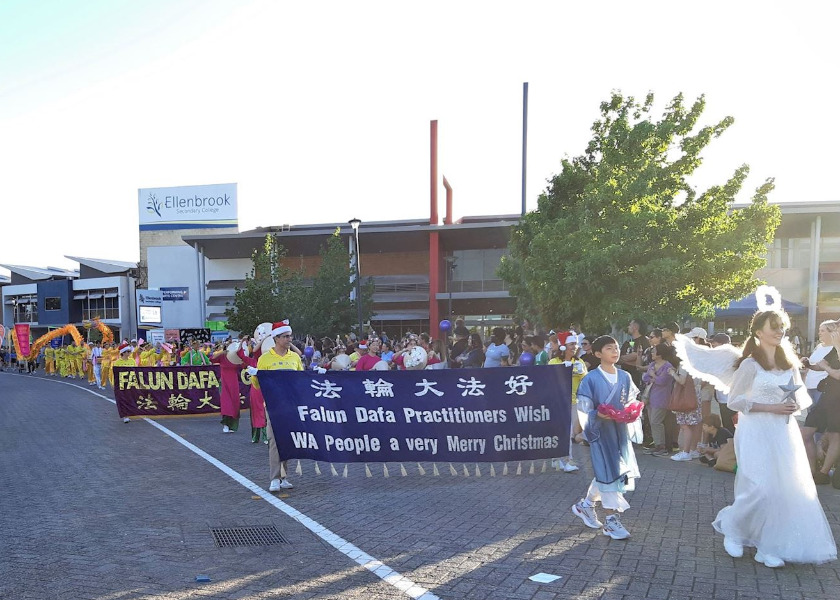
x,y
464,415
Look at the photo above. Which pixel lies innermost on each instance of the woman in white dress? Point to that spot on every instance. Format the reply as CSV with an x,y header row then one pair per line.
x,y
776,508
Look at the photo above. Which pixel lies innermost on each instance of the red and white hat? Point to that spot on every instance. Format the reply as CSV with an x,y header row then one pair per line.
x,y
280,328
363,345
125,347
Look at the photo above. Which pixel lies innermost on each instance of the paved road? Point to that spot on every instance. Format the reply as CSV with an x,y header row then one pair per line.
x,y
96,509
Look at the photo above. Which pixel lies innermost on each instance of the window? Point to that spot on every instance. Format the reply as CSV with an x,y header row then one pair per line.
x,y
52,303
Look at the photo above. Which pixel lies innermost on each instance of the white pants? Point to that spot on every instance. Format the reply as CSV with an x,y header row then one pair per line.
x,y
610,499
97,373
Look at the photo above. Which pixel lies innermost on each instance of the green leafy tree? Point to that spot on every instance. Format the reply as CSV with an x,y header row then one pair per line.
x,y
620,232
273,292
325,309
270,290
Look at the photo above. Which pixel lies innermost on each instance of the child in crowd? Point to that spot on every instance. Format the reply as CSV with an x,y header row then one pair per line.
x,y
717,436
611,442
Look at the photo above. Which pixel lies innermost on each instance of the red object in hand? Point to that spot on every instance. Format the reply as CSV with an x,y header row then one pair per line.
x,y
628,414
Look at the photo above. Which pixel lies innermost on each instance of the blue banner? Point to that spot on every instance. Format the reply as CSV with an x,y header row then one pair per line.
x,y
463,415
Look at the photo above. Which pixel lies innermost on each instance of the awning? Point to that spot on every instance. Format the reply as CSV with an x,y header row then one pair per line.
x,y
80,296
745,307
111,295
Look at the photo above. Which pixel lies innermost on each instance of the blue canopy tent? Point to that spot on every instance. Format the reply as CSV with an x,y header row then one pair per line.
x,y
745,307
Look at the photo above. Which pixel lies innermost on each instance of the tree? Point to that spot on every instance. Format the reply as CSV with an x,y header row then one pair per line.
x,y
273,291
621,233
326,308
269,289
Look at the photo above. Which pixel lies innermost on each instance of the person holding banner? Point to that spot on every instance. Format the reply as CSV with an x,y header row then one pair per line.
x,y
610,440
125,360
194,356
279,357
230,390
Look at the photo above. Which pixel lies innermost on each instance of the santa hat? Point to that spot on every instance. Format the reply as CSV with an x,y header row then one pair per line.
x,y
124,347
363,345
280,328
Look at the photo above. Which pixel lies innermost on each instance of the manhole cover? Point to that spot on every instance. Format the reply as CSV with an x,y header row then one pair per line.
x,y
229,537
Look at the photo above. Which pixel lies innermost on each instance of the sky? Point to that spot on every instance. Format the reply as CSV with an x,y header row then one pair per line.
x,y
320,111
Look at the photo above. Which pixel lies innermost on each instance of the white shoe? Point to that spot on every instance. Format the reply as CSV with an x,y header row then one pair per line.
x,y
732,549
570,467
587,514
126,419
285,484
615,529
265,442
681,456
275,485
225,429
694,454
769,561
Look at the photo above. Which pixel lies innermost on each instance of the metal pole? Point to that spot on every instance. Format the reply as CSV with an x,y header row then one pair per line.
x,y
359,286
524,140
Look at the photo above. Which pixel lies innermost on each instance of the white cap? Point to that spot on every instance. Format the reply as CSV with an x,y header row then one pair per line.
x,y
697,332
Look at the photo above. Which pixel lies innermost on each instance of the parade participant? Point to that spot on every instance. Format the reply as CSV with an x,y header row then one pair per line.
x,y
611,441
91,377
230,390
367,355
149,356
78,358
96,364
194,356
776,507
569,358
278,357
63,361
125,360
165,355
49,361
109,356
255,398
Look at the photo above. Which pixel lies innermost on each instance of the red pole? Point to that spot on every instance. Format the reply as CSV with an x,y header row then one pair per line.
x,y
447,220
433,212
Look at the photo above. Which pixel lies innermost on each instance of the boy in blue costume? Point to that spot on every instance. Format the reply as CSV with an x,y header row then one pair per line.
x,y
610,442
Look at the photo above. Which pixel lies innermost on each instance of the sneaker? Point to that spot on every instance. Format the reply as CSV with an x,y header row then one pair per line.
x,y
225,429
275,485
126,419
681,456
587,514
615,529
570,467
285,484
661,452
769,561
732,549
694,454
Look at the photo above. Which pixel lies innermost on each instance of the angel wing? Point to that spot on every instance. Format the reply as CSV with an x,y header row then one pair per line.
x,y
712,365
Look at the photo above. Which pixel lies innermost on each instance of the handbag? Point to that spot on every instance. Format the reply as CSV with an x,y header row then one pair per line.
x,y
684,397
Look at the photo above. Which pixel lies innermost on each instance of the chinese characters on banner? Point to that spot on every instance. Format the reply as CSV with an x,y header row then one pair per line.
x,y
171,391
463,415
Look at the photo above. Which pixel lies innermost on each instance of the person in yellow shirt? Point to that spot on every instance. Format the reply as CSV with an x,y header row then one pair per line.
x,y
165,355
89,360
149,356
49,360
567,355
277,358
109,356
78,359
126,359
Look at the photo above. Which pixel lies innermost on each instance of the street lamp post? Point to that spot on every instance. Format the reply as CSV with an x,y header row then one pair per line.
x,y
450,270
354,223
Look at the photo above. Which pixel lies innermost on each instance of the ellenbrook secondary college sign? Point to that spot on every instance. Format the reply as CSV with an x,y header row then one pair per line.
x,y
188,207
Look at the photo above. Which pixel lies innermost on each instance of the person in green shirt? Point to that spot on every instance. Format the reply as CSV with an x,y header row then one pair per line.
x,y
194,356
538,350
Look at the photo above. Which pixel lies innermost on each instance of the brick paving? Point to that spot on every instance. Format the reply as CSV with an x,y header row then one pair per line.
x,y
96,509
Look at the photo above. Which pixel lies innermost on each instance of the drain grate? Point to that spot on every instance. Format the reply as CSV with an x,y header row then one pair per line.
x,y
231,537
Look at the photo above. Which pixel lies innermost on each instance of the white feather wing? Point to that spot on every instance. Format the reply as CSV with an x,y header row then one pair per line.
x,y
713,365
